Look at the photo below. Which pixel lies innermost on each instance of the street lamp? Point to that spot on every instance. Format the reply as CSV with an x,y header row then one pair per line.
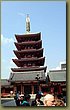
x,y
38,79
47,79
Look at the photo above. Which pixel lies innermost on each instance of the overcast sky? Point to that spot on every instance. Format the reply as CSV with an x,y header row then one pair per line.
x,y
46,17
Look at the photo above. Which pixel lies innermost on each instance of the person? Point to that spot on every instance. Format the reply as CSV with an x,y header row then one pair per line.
x,y
49,100
37,101
58,100
64,97
26,101
16,98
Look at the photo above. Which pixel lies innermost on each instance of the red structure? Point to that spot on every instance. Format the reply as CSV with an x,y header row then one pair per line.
x,y
29,53
30,71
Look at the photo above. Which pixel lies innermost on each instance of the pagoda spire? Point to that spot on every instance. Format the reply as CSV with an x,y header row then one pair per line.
x,y
27,23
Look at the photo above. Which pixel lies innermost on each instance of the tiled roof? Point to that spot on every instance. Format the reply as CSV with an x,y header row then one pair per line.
x,y
29,34
26,76
20,62
57,76
34,36
28,43
5,82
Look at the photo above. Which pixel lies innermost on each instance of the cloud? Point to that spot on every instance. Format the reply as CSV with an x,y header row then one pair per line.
x,y
21,14
59,67
5,40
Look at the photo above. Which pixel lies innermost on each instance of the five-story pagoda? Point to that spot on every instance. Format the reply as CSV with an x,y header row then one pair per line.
x,y
29,76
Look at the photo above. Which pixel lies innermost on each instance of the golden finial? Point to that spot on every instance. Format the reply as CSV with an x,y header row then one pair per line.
x,y
27,23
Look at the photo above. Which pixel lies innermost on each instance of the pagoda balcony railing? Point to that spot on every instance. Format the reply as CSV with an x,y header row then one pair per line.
x,y
17,69
26,58
29,42
32,58
28,50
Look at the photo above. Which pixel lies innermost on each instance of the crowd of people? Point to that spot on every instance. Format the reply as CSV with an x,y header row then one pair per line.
x,y
40,100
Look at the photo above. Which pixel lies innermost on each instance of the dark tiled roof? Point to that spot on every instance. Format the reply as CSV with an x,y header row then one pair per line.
x,y
20,53
5,82
28,43
24,76
30,35
28,50
20,62
57,75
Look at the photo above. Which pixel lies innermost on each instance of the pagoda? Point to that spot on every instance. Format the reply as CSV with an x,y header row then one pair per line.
x,y
29,75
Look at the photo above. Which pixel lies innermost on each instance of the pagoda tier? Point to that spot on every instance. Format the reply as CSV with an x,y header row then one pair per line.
x,y
36,68
29,53
28,37
28,44
25,62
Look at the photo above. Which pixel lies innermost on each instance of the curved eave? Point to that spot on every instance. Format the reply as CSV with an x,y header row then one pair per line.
x,y
17,54
29,59
28,51
20,62
29,43
29,69
20,37
20,54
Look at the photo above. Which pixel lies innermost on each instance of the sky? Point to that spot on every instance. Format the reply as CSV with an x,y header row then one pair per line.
x,y
47,17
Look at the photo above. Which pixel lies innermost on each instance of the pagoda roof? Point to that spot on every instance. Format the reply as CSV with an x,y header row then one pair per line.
x,y
36,68
32,43
29,50
20,53
20,62
34,36
28,42
26,76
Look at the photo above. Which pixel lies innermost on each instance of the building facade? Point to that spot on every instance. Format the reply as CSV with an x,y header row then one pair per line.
x,y
57,78
29,75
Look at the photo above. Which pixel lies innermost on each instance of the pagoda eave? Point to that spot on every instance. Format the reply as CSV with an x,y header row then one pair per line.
x,y
33,52
28,50
28,43
29,35
20,62
29,69
34,44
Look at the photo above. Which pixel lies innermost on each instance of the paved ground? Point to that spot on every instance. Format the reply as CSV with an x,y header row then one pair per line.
x,y
8,102
11,102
